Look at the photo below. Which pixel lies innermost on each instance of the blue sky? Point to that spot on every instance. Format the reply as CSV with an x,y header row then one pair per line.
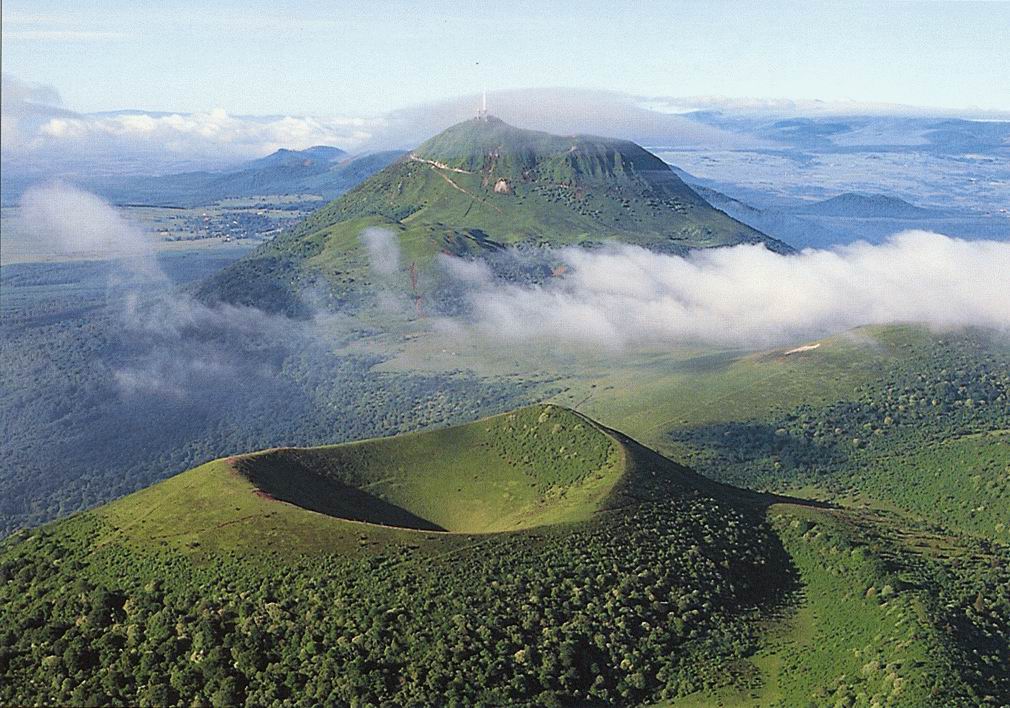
x,y
353,58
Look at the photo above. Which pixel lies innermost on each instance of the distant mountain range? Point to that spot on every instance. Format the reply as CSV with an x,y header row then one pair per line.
x,y
852,216
864,132
321,171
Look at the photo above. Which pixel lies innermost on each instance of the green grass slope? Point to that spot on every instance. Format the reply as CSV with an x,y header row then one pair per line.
x,y
885,613
476,188
923,430
534,466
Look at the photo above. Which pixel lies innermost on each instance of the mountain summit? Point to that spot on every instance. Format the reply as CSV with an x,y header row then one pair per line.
x,y
478,187
492,143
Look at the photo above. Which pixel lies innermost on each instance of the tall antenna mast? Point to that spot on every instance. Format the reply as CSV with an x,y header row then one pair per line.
x,y
482,113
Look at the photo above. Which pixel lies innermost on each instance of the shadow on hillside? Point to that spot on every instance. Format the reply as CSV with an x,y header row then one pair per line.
x,y
657,473
748,445
290,476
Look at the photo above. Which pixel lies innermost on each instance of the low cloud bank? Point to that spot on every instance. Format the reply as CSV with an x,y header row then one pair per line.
x,y
623,295
65,221
563,111
778,107
168,344
197,134
612,297
182,349
41,134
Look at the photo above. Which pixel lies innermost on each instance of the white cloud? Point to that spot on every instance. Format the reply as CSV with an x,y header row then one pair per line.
x,y
64,221
175,346
383,248
17,92
39,136
214,132
746,295
465,272
41,139
24,106
563,111
219,135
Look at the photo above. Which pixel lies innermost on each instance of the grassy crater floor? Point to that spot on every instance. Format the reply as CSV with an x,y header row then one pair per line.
x,y
528,468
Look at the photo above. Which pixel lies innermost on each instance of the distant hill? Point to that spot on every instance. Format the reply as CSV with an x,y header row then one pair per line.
x,y
321,171
847,218
318,154
476,188
870,206
782,223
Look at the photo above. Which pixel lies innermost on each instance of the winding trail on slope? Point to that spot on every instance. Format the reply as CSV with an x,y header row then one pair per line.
x,y
440,165
437,166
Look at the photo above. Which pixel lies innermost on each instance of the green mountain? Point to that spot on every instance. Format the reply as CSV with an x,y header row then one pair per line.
x,y
535,557
474,189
